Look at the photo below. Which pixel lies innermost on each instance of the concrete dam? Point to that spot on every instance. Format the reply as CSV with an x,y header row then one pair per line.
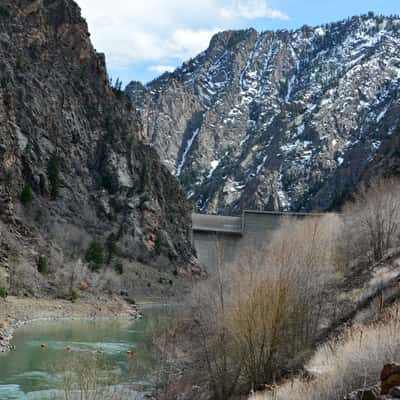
x,y
220,239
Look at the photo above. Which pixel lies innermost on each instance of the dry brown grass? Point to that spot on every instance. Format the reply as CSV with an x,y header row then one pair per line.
x,y
352,363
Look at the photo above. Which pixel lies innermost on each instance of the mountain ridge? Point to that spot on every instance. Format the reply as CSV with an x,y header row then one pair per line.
x,y
74,167
283,120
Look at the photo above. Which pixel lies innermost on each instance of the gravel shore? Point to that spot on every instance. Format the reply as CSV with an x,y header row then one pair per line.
x,y
15,312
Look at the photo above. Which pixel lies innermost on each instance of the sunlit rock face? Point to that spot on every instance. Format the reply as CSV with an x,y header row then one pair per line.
x,y
286,120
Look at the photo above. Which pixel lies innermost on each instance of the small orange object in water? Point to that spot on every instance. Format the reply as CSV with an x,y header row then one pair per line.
x,y
42,346
69,349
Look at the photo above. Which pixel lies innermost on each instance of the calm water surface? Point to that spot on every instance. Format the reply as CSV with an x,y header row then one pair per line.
x,y
31,372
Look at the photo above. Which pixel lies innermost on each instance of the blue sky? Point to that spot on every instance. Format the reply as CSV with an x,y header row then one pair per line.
x,y
143,38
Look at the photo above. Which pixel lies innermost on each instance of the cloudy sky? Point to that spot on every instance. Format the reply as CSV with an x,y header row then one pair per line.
x,y
143,38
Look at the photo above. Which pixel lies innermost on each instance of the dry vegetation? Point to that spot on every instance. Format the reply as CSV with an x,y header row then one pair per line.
x,y
257,322
341,366
83,377
259,318
371,222
40,267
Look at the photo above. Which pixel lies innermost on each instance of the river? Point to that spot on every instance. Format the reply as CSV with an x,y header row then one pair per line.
x,y
45,351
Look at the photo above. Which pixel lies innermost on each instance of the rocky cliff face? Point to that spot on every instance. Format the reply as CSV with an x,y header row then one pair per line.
x,y
286,120
74,145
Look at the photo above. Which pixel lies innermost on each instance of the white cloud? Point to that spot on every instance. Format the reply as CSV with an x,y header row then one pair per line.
x,y
251,9
185,43
160,69
159,31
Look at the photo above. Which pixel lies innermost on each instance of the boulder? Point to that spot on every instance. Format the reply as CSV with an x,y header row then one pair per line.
x,y
390,377
371,393
395,392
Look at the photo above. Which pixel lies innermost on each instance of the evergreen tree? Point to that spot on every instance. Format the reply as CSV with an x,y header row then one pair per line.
x,y
26,196
53,173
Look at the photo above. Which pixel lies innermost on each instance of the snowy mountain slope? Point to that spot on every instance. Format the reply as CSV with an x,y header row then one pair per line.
x,y
287,120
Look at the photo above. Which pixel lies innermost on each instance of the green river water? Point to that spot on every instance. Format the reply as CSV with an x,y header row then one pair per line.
x,y
33,373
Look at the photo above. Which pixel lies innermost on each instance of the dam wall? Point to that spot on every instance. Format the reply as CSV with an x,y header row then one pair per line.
x,y
220,240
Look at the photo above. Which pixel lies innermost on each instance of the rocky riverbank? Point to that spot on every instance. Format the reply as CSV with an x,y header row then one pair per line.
x,y
15,312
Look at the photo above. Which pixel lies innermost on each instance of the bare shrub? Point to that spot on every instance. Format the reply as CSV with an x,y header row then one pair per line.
x,y
259,321
69,277
372,221
256,319
353,363
84,377
289,289
162,330
109,280
215,352
24,279
74,240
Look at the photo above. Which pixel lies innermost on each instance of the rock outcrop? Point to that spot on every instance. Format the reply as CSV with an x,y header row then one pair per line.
x,y
285,120
388,389
390,378
71,150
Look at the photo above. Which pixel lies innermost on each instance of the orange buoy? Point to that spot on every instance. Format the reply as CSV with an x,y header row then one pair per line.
x,y
42,346
69,349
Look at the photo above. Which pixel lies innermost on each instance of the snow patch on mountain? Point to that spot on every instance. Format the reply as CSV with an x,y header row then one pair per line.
x,y
185,153
291,117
